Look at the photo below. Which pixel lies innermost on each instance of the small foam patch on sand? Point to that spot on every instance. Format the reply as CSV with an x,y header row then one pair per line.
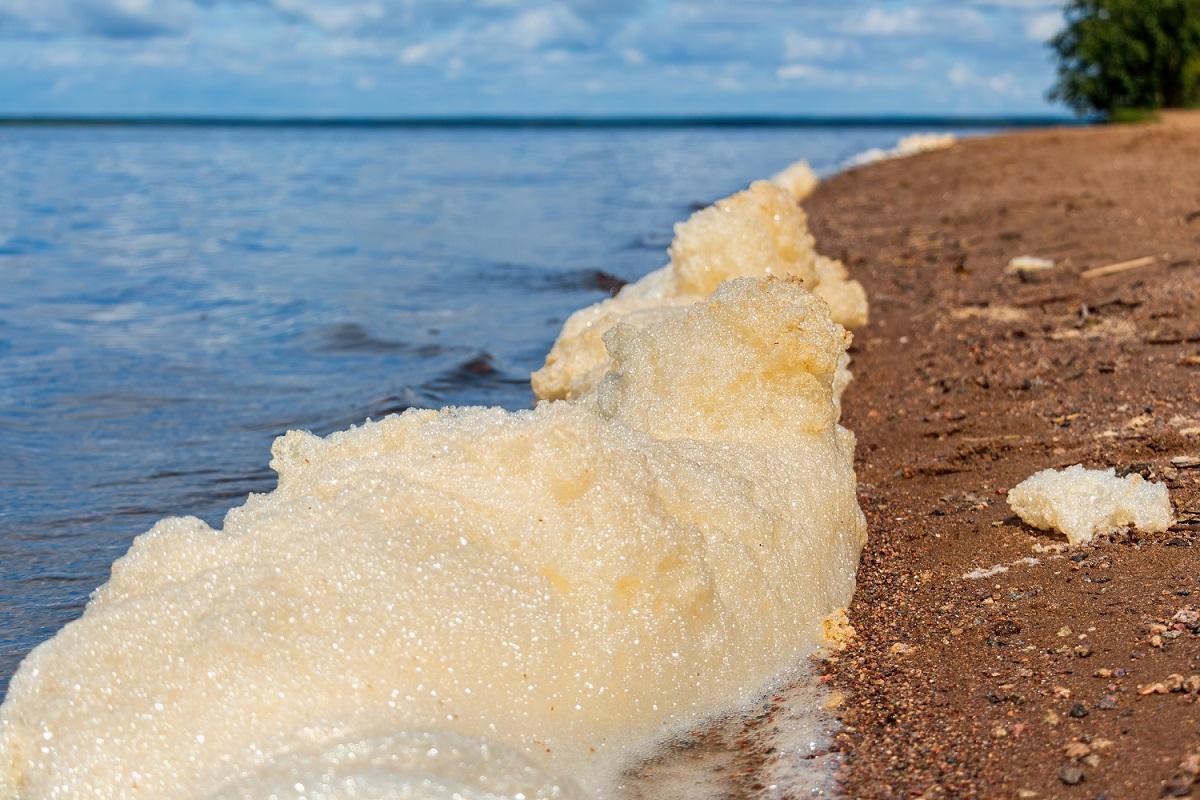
x,y
1082,503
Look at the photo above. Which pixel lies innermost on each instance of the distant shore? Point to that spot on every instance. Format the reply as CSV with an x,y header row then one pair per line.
x,y
1031,680
564,121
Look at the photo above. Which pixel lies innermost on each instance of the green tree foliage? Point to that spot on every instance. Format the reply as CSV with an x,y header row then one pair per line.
x,y
1128,54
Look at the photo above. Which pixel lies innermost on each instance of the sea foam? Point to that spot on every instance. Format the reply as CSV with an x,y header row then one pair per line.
x,y
474,603
759,232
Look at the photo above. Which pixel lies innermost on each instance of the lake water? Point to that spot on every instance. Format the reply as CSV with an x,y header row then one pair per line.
x,y
172,299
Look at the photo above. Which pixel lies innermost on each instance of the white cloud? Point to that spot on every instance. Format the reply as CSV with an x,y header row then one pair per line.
x,y
540,27
1043,27
913,21
61,57
1026,4
880,22
415,53
964,77
800,47
534,55
332,16
792,72
816,76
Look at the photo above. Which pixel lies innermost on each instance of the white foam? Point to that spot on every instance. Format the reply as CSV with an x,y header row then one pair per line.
x,y
471,602
760,232
911,145
799,180
1082,503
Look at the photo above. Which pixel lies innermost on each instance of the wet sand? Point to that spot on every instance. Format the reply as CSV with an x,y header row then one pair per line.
x,y
1050,679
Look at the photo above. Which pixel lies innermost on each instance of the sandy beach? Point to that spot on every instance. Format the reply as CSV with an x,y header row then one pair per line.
x,y
1071,675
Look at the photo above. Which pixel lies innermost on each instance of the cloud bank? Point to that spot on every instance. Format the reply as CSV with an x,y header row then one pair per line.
x,y
395,57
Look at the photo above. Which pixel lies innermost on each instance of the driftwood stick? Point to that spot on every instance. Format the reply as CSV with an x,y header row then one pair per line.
x,y
1121,266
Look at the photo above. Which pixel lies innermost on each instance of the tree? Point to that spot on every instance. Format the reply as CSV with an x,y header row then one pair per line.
x,y
1128,54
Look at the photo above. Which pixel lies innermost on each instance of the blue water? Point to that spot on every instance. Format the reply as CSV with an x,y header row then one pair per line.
x,y
172,299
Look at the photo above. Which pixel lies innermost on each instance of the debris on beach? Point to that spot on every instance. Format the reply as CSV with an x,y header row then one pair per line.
x,y
1082,503
1120,266
1026,265
999,314
798,178
980,573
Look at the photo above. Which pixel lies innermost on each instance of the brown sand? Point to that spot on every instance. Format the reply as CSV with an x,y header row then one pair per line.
x,y
1030,682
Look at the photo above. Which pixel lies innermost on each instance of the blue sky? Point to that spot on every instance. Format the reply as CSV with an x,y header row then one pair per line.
x,y
397,57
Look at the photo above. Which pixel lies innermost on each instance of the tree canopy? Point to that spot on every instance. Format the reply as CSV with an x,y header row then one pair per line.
x,y
1128,54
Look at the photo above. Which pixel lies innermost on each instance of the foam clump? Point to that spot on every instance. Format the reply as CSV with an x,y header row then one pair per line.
x,y
474,603
798,179
924,143
846,297
1082,503
911,145
759,232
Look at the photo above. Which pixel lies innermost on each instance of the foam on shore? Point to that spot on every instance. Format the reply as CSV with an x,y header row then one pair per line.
x,y
798,178
911,145
759,232
474,603
1082,503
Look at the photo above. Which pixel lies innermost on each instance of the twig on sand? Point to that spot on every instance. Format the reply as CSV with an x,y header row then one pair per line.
x,y
1121,266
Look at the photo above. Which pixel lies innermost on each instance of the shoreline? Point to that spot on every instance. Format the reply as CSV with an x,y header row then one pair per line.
x,y
1026,682
570,121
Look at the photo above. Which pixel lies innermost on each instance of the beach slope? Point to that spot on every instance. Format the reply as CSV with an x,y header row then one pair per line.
x,y
991,661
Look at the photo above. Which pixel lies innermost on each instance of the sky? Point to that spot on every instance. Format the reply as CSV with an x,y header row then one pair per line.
x,y
528,57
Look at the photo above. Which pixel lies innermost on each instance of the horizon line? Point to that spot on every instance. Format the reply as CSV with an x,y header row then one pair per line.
x,y
543,121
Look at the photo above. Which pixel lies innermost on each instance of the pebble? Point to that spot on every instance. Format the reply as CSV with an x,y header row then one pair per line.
x,y
1006,627
1078,711
1071,775
1076,750
1178,786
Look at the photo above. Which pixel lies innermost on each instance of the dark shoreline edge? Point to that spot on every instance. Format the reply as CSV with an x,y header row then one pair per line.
x,y
551,122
